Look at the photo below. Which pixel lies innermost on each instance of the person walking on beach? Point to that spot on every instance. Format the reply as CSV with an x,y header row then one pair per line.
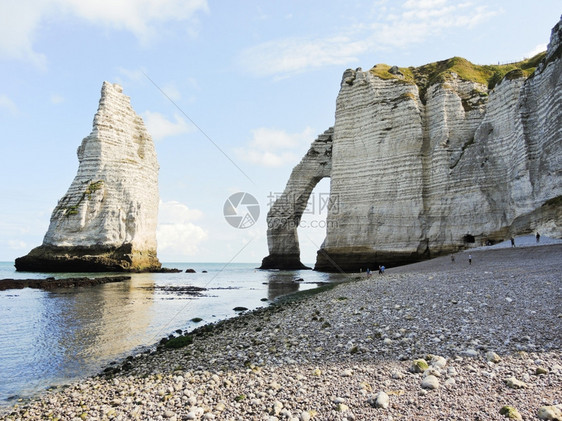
x,y
538,237
470,259
512,242
452,258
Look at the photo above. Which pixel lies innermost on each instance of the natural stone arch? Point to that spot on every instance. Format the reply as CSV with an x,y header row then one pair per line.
x,y
285,214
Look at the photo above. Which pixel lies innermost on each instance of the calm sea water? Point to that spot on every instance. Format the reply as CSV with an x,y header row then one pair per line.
x,y
54,337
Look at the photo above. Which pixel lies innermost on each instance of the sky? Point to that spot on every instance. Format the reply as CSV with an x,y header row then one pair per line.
x,y
248,85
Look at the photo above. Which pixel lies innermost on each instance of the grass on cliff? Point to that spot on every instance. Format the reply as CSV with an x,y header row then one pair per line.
x,y
441,71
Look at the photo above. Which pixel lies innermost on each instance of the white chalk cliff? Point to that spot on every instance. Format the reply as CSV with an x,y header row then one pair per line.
x,y
431,160
285,214
107,219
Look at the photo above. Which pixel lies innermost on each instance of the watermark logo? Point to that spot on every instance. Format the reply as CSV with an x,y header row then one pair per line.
x,y
315,204
241,210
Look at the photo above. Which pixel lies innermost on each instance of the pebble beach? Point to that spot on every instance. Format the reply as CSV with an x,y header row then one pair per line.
x,y
437,340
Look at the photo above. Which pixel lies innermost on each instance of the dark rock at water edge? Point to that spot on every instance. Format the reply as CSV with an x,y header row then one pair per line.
x,y
190,271
358,259
47,258
166,270
52,283
283,262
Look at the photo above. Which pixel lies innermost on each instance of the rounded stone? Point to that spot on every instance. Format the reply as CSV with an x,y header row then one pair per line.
x,y
430,382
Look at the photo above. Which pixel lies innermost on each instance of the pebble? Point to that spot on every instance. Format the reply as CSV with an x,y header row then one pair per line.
x,y
430,382
550,413
347,373
438,362
514,383
493,357
511,413
341,407
381,400
419,366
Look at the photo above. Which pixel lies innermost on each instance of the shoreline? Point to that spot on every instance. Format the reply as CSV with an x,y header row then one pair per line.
x,y
328,355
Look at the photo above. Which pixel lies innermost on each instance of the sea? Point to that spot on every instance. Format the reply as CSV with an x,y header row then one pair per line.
x,y
52,338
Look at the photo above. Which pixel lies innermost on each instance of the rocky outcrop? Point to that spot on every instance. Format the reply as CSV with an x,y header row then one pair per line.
x,y
107,219
50,284
430,160
285,214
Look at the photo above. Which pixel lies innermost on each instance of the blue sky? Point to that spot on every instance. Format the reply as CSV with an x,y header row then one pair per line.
x,y
259,78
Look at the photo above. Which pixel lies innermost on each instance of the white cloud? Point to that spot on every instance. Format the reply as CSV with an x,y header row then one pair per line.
x,y
538,49
18,23
414,23
176,234
160,127
294,55
20,20
134,75
7,104
423,4
275,148
17,245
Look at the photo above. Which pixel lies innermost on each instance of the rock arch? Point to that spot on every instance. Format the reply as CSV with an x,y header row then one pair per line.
x,y
285,214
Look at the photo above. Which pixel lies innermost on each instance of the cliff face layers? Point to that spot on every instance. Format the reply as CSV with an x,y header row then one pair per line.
x,y
107,219
430,160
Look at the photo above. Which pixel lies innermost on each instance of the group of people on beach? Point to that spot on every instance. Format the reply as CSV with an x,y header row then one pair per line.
x,y
381,271
512,240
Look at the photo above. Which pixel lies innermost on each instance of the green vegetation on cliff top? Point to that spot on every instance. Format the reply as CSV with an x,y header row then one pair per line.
x,y
441,71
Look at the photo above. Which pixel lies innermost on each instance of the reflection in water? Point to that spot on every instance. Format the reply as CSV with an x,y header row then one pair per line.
x,y
56,337
281,283
102,324
71,331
